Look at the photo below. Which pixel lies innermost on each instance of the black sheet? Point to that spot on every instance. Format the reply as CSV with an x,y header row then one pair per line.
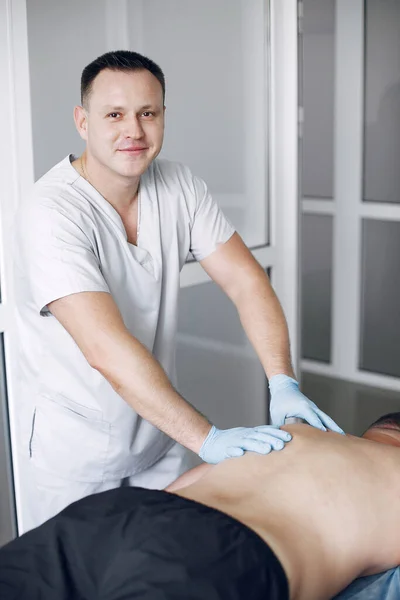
x,y
132,543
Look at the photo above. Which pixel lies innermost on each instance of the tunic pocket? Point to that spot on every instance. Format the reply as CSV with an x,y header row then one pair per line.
x,y
69,439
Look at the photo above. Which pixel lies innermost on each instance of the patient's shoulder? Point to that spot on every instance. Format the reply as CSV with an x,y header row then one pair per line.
x,y
305,431
300,428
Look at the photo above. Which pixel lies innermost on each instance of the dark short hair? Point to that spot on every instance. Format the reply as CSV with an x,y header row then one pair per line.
x,y
120,60
389,421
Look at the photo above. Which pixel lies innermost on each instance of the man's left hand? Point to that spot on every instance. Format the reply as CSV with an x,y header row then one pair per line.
x,y
287,401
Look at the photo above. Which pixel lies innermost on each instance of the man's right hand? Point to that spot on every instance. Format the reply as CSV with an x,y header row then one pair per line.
x,y
228,443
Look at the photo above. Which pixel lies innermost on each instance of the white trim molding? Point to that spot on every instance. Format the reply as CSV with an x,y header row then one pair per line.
x,y
284,141
348,152
380,211
316,206
366,210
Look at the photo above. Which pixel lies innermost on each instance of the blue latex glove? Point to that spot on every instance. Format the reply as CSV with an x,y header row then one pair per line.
x,y
287,401
227,443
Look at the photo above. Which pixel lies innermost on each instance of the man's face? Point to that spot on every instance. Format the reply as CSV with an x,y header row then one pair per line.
x,y
383,435
124,125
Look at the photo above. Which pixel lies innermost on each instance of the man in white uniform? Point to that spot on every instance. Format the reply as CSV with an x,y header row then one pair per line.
x,y
100,245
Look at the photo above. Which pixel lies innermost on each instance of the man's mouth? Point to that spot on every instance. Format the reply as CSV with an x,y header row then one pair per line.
x,y
133,149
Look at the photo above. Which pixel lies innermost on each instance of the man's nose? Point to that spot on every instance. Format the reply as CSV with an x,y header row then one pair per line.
x,y
134,128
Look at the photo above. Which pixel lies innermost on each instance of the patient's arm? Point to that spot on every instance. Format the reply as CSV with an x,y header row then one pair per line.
x,y
189,477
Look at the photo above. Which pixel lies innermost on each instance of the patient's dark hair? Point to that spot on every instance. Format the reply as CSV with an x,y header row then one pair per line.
x,y
389,421
119,60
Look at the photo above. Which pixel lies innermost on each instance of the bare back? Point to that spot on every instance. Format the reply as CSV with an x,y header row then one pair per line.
x,y
328,506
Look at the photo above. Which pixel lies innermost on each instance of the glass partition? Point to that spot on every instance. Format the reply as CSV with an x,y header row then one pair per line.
x,y
382,101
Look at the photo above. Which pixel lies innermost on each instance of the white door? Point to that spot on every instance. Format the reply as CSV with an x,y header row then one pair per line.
x,y
351,191
231,71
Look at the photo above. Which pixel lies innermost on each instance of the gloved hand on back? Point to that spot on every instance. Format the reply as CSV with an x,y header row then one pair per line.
x,y
287,401
227,443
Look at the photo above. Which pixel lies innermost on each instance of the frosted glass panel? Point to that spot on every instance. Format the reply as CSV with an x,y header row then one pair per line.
x,y
318,97
218,371
316,287
382,102
63,37
214,55
205,312
380,314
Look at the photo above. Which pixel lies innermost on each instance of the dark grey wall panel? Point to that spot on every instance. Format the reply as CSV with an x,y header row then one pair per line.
x,y
380,311
316,287
318,100
382,102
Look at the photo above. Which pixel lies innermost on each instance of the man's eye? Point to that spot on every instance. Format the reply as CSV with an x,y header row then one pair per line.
x,y
113,115
147,113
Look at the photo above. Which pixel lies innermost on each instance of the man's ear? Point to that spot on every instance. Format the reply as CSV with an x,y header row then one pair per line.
x,y
80,118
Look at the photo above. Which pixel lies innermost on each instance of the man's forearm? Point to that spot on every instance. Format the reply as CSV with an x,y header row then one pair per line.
x,y
140,380
265,325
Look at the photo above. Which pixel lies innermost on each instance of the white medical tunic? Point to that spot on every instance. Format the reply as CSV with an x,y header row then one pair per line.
x,y
69,239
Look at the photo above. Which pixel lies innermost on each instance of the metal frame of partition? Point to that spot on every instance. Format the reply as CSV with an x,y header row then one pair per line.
x,y
347,214
16,158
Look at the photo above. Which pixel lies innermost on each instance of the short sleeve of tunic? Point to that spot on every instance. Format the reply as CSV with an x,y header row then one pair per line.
x,y
210,227
57,258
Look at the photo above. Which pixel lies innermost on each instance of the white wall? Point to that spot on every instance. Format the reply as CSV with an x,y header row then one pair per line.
x,y
63,38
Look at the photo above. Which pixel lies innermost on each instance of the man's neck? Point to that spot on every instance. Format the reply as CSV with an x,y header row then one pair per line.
x,y
121,192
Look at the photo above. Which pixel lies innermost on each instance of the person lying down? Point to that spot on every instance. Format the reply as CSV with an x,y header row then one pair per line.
x,y
298,524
